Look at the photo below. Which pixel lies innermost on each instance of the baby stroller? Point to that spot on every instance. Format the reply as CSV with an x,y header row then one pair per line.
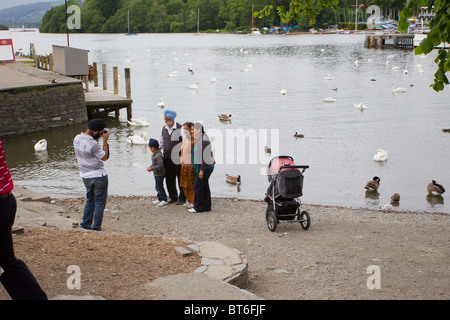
x,y
285,189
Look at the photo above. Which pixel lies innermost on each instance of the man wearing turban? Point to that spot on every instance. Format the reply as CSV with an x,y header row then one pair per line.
x,y
170,141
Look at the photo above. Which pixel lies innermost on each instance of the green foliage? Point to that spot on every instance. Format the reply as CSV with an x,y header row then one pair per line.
x,y
439,32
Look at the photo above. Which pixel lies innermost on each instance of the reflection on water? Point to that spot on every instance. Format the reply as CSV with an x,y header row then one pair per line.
x,y
339,140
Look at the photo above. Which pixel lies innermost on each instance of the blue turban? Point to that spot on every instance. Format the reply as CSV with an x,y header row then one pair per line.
x,y
170,114
153,143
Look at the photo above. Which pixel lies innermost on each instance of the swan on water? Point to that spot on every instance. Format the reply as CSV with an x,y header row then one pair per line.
x,y
380,155
141,139
329,99
194,86
328,77
399,89
139,122
283,90
360,106
161,103
41,145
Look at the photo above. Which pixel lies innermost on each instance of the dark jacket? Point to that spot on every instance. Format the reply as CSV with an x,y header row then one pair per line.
x,y
158,164
202,156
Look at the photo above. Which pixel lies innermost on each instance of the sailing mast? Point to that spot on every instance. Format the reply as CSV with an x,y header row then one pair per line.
x,y
198,20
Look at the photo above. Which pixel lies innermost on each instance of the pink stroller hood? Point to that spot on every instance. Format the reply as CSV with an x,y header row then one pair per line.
x,y
276,163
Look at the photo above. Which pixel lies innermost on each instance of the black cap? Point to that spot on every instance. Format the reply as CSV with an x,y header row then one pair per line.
x,y
97,124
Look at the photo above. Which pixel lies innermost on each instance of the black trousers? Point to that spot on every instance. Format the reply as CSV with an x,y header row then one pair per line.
x,y
172,175
17,279
202,200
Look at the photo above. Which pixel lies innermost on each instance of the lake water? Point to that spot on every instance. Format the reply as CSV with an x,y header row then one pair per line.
x,y
339,140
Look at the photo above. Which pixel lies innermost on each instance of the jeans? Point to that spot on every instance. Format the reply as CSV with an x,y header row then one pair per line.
x,y
202,198
159,186
96,194
17,279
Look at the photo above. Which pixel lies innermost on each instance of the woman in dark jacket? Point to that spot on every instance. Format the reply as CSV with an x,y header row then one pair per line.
x,y
203,161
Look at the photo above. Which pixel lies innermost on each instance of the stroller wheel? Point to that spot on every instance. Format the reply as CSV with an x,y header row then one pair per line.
x,y
305,220
272,221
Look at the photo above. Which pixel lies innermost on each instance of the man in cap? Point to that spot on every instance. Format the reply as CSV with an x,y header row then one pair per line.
x,y
170,141
90,156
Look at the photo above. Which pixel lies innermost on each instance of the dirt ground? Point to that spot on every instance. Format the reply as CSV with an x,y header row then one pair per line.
x,y
349,254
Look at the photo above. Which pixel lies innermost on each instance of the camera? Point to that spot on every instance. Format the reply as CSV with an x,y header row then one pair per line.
x,y
105,131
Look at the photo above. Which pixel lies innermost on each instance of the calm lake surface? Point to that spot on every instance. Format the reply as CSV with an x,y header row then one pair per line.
x,y
339,140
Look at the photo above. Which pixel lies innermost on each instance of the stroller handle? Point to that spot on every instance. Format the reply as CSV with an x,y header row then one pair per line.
x,y
286,166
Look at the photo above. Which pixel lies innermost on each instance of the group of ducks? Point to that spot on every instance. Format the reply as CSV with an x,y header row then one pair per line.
x,y
433,189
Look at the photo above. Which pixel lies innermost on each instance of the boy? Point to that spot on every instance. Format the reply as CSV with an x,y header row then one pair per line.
x,y
158,171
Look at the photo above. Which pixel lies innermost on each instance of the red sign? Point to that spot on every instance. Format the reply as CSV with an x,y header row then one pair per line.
x,y
7,50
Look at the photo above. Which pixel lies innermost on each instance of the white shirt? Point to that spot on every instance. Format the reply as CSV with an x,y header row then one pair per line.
x,y
89,155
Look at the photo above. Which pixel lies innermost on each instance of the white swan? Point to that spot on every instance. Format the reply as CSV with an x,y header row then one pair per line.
x,y
356,63
395,67
405,71
194,86
41,145
283,90
141,139
329,99
399,89
213,79
139,122
380,155
360,106
328,77
161,103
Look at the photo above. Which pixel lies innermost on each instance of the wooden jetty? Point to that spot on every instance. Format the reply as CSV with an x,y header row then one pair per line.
x,y
101,102
395,41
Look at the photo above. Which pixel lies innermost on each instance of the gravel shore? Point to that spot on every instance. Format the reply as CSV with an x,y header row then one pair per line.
x,y
339,257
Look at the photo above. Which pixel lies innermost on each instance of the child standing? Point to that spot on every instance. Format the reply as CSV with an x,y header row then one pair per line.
x,y
158,171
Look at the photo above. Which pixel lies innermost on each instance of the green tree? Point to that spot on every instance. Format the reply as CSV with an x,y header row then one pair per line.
x,y
439,32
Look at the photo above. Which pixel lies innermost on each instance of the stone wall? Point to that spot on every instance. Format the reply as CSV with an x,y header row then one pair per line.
x,y
39,108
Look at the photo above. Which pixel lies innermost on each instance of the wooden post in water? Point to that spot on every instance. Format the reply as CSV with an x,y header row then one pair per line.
x,y
116,80
95,74
116,87
128,91
105,78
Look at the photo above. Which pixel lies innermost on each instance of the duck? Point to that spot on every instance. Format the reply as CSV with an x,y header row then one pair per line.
x,y
190,71
435,188
283,90
360,106
446,130
224,117
395,199
399,89
373,184
139,122
233,179
328,77
329,99
161,103
41,145
194,86
380,155
141,139
267,149
298,135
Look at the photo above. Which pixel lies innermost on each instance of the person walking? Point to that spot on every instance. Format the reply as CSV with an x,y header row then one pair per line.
x,y
170,141
187,175
203,161
90,156
15,276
